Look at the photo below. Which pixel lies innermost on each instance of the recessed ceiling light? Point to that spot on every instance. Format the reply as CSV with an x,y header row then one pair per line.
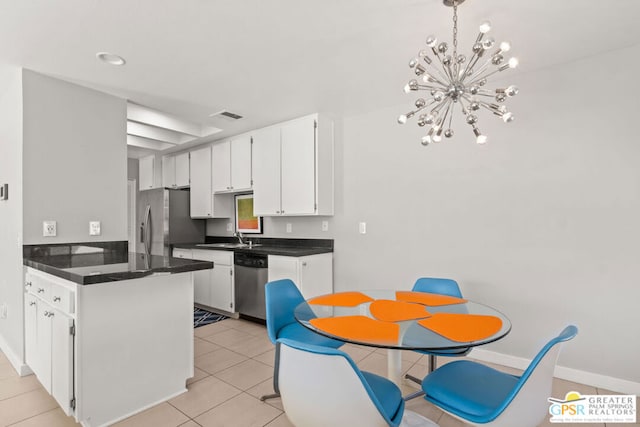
x,y
110,58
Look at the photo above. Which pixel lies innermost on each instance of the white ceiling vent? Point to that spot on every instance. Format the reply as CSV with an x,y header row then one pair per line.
x,y
227,115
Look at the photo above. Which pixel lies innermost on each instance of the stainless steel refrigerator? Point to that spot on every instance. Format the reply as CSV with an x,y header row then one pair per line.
x,y
164,219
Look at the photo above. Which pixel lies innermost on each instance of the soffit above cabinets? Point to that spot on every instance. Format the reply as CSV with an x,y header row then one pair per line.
x,y
150,130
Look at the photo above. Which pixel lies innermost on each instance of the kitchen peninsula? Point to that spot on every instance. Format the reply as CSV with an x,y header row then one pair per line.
x,y
108,333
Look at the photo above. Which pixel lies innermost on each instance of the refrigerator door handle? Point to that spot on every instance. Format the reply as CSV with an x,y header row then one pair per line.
x,y
146,230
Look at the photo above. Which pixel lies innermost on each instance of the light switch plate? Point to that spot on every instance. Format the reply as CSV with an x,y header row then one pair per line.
x,y
229,226
49,229
325,225
94,228
289,227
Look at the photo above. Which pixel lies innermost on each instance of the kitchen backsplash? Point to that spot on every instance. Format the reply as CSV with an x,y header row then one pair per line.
x,y
301,227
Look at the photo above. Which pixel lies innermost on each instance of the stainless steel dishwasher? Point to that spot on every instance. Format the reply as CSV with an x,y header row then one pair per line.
x,y
250,278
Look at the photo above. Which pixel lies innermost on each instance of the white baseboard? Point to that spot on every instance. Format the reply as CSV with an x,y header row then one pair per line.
x,y
583,377
21,368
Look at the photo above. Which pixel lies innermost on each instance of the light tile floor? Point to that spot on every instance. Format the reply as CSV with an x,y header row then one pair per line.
x,y
233,368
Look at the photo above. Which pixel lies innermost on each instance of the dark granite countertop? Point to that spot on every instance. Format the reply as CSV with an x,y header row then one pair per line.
x,y
100,263
265,246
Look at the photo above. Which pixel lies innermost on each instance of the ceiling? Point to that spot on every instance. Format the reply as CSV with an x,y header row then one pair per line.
x,y
274,60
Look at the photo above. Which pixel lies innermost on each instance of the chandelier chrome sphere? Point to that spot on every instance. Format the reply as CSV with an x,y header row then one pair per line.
x,y
452,80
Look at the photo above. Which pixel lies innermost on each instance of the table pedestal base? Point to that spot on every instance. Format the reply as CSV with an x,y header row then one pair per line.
x,y
394,366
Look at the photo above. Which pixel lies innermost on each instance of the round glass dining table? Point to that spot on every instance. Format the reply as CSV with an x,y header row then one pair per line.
x,y
402,320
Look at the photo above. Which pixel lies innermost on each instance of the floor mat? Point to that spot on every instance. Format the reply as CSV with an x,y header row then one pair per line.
x,y
203,317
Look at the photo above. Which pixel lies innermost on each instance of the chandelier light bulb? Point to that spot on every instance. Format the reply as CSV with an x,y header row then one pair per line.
x,y
488,43
485,27
481,139
413,62
437,137
507,117
512,91
432,41
513,62
505,46
407,88
425,140
402,119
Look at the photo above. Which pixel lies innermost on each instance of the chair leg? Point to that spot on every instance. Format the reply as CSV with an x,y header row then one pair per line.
x,y
276,367
414,379
413,395
269,396
432,366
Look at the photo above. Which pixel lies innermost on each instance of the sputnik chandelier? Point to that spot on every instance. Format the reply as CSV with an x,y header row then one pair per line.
x,y
452,80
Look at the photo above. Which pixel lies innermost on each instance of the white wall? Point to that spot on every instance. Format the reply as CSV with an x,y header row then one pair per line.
x,y
75,161
541,223
64,157
11,290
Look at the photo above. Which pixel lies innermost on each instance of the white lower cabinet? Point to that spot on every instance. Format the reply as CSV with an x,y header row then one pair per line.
x,y
313,274
49,339
212,288
109,350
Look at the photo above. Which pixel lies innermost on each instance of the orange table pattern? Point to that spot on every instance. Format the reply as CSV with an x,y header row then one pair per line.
x,y
459,327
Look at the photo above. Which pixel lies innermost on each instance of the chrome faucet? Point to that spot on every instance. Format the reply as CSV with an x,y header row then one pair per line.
x,y
239,236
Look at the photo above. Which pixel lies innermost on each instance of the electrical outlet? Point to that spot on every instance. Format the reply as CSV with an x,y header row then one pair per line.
x,y
229,226
325,225
49,229
363,228
289,227
94,228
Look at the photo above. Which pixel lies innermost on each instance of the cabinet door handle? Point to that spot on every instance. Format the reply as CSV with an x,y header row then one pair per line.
x,y
40,290
32,303
28,285
56,299
304,264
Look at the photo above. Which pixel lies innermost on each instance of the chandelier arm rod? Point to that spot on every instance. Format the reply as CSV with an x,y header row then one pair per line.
x,y
474,59
438,107
493,108
441,75
446,112
480,77
488,95
444,68
430,88
477,72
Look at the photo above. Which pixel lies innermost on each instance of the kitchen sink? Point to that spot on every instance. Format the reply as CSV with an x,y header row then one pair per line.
x,y
226,245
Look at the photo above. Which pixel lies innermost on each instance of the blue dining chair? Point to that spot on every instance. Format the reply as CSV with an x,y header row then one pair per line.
x,y
447,287
480,395
322,386
281,299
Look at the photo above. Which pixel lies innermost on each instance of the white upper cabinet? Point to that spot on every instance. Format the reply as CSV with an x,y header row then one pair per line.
x,y
175,171
293,168
203,204
266,171
232,165
146,172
